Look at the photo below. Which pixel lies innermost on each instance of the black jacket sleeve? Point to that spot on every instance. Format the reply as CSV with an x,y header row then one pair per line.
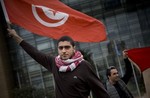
x,y
95,83
38,56
128,72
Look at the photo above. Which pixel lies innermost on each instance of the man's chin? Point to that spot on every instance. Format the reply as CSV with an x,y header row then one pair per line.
x,y
117,79
64,58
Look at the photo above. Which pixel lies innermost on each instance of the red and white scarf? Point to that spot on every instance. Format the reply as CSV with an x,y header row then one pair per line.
x,y
69,64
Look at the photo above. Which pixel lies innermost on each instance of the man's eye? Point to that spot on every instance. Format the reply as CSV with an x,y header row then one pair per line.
x,y
65,47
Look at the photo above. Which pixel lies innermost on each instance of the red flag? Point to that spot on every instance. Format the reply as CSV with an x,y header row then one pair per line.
x,y
54,19
140,57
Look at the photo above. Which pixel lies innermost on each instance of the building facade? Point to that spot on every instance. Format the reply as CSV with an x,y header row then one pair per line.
x,y
127,23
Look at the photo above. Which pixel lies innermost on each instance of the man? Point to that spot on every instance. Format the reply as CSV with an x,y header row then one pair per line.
x,y
74,77
116,86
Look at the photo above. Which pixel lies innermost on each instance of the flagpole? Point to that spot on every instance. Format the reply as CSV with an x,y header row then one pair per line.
x,y
117,53
136,82
106,61
5,14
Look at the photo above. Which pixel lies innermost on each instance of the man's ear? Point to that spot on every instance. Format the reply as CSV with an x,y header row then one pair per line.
x,y
108,77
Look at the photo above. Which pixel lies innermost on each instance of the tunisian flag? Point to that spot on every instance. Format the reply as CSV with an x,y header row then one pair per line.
x,y
52,18
140,57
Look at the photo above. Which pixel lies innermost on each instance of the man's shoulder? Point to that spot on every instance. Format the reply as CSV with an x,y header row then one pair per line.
x,y
85,63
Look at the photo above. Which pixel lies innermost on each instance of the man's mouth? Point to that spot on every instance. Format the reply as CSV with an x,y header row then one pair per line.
x,y
64,55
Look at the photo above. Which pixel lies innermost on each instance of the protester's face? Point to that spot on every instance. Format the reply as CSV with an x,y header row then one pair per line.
x,y
114,76
65,50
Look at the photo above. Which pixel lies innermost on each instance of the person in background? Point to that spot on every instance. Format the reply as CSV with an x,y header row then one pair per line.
x,y
116,86
74,77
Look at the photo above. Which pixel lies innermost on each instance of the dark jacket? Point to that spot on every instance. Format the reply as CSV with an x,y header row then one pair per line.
x,y
120,90
75,84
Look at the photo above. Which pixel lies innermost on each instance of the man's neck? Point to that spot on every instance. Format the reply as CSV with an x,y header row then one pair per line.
x,y
112,82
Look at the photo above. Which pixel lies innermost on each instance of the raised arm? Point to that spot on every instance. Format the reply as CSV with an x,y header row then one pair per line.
x,y
129,71
41,58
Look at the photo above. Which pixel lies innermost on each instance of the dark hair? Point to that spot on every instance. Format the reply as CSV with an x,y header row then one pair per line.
x,y
66,38
108,73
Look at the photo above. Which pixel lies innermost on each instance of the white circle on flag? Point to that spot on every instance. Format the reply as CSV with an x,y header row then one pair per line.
x,y
52,14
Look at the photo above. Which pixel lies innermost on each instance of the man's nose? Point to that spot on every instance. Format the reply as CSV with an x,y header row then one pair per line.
x,y
63,50
117,74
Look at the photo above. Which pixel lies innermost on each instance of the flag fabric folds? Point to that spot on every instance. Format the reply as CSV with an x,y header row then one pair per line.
x,y
140,57
52,18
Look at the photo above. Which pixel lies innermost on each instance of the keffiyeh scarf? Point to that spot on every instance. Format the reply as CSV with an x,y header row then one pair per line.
x,y
70,64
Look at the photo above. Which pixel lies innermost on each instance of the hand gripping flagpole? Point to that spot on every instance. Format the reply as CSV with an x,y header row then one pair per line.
x,y
5,14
